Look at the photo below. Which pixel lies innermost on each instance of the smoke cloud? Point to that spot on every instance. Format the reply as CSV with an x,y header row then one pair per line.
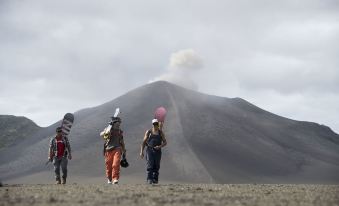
x,y
183,66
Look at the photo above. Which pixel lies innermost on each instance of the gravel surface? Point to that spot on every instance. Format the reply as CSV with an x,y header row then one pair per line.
x,y
169,194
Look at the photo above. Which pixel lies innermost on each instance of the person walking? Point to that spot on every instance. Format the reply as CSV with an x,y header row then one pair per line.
x,y
59,151
154,140
114,148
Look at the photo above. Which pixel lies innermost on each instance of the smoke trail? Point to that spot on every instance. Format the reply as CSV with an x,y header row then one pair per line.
x,y
182,68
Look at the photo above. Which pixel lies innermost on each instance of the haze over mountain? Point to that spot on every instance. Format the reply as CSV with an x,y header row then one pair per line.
x,y
210,139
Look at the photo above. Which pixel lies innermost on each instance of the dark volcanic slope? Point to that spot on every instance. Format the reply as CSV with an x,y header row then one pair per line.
x,y
15,128
210,139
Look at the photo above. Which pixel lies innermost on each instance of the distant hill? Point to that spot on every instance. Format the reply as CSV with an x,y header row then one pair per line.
x,y
13,128
211,139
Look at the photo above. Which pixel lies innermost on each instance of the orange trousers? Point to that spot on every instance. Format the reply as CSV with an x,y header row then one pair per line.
x,y
112,162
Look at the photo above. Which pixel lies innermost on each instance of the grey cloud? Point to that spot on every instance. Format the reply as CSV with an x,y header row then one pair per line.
x,y
251,49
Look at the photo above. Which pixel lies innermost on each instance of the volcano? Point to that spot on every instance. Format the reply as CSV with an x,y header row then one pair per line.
x,y
210,139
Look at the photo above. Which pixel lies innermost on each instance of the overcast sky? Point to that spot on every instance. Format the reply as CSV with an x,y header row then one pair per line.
x,y
63,56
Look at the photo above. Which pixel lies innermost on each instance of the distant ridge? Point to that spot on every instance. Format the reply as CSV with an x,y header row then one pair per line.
x,y
13,128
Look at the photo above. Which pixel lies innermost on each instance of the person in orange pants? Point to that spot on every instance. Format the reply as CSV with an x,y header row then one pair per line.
x,y
114,147
112,162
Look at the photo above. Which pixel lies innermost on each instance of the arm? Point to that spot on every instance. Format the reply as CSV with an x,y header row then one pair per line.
x,y
164,141
50,155
50,150
143,144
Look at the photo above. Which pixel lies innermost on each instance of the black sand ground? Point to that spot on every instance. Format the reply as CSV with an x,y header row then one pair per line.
x,y
169,194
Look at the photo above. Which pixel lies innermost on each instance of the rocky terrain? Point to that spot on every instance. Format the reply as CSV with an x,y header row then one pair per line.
x,y
169,194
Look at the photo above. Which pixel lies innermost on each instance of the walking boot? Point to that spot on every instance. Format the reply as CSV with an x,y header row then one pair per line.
x,y
63,181
58,181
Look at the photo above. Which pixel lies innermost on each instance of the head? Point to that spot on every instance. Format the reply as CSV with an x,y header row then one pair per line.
x,y
59,130
155,123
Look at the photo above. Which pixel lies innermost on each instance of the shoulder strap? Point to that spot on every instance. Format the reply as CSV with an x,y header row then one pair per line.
x,y
149,133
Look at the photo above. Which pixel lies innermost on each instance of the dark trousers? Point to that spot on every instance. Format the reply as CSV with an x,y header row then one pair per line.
x,y
60,162
153,158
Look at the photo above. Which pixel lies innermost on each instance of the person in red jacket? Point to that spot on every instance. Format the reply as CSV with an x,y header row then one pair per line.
x,y
59,151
